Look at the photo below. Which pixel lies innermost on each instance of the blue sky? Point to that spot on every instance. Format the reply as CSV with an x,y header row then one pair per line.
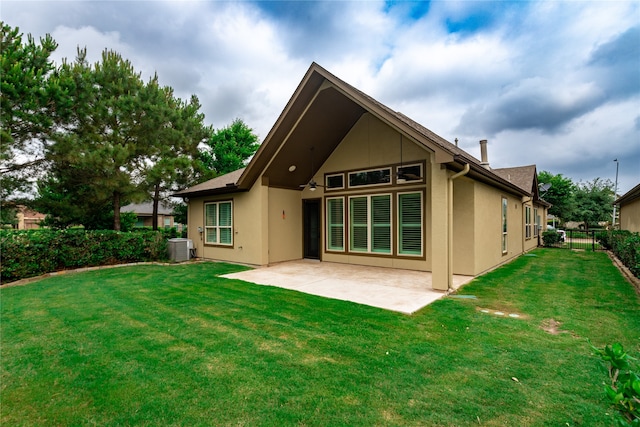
x,y
551,83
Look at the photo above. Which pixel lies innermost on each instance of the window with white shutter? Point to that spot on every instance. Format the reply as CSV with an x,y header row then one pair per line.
x,y
218,224
410,224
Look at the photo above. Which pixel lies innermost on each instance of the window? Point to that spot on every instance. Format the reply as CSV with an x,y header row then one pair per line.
x,y
334,182
167,222
410,224
370,224
527,222
504,225
335,224
409,173
536,222
370,177
218,223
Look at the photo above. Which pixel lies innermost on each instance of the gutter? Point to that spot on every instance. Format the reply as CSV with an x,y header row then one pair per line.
x,y
463,172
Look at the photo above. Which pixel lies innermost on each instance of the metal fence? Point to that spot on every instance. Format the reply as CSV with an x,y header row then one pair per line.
x,y
580,239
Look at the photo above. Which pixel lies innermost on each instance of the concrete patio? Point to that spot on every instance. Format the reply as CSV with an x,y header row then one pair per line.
x,y
405,291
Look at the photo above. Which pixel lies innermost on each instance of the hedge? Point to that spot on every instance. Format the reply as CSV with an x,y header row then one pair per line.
x,y
28,253
626,246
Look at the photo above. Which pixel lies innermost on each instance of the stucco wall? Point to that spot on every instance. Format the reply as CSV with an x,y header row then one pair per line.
x,y
630,216
249,217
464,242
372,143
285,225
488,227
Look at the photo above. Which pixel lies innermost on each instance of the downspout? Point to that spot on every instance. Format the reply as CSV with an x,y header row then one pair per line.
x,y
463,172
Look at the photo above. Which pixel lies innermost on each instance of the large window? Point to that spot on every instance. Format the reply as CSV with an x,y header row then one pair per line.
x,y
527,222
410,224
218,223
536,222
504,225
370,224
335,224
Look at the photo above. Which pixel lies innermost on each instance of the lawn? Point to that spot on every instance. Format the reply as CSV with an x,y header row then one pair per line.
x,y
177,345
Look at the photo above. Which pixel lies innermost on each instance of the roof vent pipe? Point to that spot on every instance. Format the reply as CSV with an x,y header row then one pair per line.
x,y
483,154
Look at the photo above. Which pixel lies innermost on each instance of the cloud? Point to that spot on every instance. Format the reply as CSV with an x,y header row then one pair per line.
x,y
547,82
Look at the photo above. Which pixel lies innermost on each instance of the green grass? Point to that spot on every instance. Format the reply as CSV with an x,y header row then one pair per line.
x,y
158,345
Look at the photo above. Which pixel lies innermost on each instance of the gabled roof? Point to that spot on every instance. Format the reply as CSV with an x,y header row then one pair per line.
x,y
629,196
222,184
320,113
525,177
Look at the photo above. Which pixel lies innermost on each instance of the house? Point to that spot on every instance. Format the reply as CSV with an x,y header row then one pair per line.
x,y
342,178
28,219
144,211
629,214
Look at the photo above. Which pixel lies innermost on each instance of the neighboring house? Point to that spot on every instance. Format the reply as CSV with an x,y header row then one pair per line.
x,y
629,214
144,211
342,178
28,219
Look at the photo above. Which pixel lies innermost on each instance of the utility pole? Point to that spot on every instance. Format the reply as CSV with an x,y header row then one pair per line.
x,y
615,196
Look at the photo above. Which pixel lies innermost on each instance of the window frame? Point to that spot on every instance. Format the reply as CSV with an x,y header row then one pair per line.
x,y
412,181
536,223
527,223
504,225
328,225
370,224
399,230
331,175
217,227
390,182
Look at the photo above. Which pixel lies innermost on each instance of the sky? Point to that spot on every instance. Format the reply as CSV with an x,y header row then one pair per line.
x,y
551,83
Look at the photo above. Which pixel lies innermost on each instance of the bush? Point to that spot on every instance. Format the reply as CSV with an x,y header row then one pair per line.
x,y
623,392
626,246
551,237
28,253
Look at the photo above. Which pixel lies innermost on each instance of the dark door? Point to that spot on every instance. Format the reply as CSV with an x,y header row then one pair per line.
x,y
311,214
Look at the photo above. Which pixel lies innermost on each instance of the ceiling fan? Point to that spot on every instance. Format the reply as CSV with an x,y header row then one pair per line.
x,y
313,185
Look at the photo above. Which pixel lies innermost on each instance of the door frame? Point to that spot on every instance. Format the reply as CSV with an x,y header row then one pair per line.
x,y
306,205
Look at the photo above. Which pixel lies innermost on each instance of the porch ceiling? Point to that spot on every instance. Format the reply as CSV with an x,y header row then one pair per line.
x,y
322,126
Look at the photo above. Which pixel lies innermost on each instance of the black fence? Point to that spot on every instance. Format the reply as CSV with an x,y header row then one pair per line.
x,y
580,239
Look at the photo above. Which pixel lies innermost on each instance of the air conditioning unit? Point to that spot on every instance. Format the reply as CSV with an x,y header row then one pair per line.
x,y
179,249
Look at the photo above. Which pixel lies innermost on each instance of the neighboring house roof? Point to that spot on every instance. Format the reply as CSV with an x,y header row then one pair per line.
x,y
629,196
525,177
143,209
321,112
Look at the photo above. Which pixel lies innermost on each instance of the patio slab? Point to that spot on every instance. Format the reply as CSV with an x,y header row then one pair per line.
x,y
406,291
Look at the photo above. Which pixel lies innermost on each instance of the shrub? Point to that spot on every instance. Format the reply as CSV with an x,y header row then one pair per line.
x,y
626,246
550,237
28,253
623,392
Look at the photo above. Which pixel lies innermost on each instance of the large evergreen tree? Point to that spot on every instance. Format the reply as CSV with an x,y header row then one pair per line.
x,y
175,129
31,103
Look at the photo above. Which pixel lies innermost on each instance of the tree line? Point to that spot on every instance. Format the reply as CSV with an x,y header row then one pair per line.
x,y
589,203
87,139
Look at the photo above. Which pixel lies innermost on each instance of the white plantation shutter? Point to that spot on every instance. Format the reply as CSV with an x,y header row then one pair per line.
x,y
335,224
218,223
410,224
225,223
381,224
210,223
359,218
